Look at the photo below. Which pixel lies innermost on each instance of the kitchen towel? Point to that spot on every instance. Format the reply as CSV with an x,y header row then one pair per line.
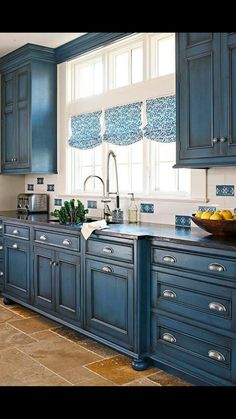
x,y
88,228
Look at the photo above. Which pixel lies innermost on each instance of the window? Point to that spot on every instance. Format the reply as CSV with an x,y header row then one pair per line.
x,y
135,69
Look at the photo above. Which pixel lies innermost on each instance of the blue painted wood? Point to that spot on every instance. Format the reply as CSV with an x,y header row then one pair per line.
x,y
109,291
24,54
66,241
2,269
87,42
17,268
109,249
16,230
44,278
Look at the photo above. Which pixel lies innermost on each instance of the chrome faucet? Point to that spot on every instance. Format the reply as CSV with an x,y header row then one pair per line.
x,y
98,177
106,210
111,153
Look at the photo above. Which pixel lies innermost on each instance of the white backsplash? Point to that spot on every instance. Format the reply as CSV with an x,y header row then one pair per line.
x,y
164,210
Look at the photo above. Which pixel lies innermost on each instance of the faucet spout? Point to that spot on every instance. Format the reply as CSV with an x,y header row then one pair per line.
x,y
112,154
98,177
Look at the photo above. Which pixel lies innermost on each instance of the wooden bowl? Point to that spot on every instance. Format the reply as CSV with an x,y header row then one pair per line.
x,y
216,227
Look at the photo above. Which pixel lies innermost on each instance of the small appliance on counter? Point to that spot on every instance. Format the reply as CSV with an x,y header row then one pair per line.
x,y
32,202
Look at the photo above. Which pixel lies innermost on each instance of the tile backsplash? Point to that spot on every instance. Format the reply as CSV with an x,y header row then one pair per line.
x,y
220,185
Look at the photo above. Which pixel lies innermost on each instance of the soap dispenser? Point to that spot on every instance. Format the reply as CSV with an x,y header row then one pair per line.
x,y
133,210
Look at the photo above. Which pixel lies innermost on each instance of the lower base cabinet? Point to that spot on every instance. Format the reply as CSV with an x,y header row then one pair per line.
x,y
110,302
57,282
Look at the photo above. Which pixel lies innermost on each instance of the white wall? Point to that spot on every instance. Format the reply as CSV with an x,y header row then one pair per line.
x,y
10,186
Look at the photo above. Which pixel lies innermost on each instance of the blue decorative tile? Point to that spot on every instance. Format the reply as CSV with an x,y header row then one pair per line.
x,y
210,209
30,187
50,188
40,180
182,221
147,208
224,190
58,202
92,204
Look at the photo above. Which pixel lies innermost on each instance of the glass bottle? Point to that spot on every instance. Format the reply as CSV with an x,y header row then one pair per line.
x,y
133,210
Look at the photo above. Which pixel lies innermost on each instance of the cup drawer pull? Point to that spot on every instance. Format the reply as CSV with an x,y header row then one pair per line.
x,y
169,294
216,355
107,269
108,250
169,338
1,273
15,231
1,247
217,267
217,306
169,259
15,246
1,227
67,242
43,237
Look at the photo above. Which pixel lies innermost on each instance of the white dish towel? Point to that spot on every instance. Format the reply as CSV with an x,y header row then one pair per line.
x,y
88,228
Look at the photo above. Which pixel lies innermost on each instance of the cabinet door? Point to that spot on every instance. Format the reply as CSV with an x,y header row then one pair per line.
x,y
17,261
44,278
68,293
198,97
22,112
228,92
9,145
110,302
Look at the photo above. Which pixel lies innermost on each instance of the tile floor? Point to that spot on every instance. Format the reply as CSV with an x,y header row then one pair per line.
x,y
35,351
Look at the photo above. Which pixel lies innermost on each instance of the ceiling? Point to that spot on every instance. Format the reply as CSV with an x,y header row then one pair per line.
x,y
9,41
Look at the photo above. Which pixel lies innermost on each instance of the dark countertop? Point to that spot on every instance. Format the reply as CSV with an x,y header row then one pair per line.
x,y
163,232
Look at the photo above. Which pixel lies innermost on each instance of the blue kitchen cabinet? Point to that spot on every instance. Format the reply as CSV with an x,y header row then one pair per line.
x,y
29,103
205,99
44,278
1,257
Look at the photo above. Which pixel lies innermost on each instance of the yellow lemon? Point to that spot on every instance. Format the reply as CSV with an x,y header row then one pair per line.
x,y
216,216
199,214
226,214
206,215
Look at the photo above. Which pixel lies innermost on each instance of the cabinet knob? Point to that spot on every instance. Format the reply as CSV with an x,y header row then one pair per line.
x,y
216,306
1,227
217,267
1,273
107,269
214,141
222,139
43,237
169,294
168,338
1,247
216,355
67,242
108,250
169,259
15,246
15,231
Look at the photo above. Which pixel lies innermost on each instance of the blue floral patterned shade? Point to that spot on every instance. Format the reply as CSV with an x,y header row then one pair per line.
x,y
123,124
161,119
85,129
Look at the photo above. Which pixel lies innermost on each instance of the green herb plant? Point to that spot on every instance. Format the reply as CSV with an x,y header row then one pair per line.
x,y
69,213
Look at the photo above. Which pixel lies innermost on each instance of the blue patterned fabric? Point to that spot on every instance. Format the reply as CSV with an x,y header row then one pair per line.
x,y
161,119
85,129
123,124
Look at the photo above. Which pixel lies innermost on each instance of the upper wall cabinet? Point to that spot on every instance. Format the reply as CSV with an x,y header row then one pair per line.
x,y
206,99
29,111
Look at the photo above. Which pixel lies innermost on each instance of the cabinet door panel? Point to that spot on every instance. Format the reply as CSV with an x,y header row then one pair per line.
x,y
9,146
23,98
16,279
109,302
68,285
194,38
44,277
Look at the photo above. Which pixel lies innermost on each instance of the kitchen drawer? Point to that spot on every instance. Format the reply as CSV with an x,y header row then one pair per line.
x,y
110,250
196,262
17,231
67,241
201,301
1,270
193,346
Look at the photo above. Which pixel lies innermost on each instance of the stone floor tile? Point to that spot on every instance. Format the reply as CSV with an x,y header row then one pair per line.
x,y
34,324
164,379
9,336
81,376
7,315
118,370
70,334
142,382
22,311
46,335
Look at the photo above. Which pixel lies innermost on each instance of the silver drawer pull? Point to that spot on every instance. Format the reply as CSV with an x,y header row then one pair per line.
x,y
67,242
1,227
169,338
107,269
15,246
169,259
1,247
1,273
216,267
169,294
216,355
216,306
43,237
108,250
15,231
